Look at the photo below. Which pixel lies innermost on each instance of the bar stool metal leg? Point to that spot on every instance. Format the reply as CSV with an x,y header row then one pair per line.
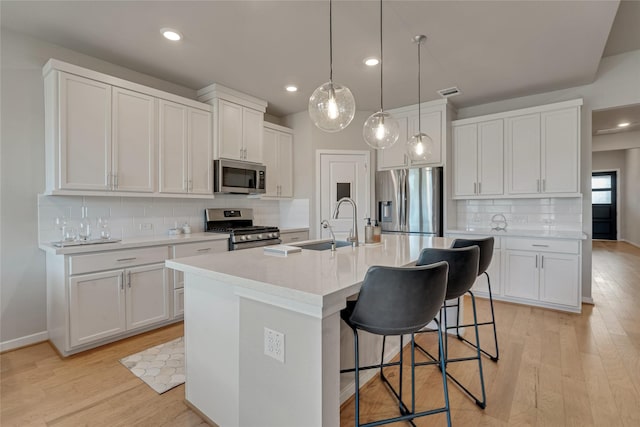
x,y
495,357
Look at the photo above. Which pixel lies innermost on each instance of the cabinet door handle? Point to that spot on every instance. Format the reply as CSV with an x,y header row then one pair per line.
x,y
479,188
129,279
536,261
241,153
109,180
125,259
541,261
544,185
294,238
537,185
122,281
245,154
475,188
204,249
115,180
540,246
190,185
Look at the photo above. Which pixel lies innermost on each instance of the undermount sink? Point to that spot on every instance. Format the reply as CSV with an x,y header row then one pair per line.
x,y
322,246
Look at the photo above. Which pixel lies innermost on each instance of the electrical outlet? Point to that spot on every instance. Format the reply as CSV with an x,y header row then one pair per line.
x,y
274,344
146,226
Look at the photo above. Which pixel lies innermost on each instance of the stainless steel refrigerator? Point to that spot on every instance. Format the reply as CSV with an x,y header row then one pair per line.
x,y
410,200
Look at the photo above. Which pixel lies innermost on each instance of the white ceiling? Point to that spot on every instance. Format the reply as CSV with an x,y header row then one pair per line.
x,y
491,50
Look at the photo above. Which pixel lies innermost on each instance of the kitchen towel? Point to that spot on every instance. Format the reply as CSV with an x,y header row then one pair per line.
x,y
160,367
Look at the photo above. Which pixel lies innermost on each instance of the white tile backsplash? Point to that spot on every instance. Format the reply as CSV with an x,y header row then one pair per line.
x,y
128,215
522,214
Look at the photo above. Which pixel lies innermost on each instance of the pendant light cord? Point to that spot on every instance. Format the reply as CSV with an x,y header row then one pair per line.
x,y
419,80
330,43
381,60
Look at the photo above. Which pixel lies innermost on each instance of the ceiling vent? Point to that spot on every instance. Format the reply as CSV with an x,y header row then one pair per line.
x,y
449,92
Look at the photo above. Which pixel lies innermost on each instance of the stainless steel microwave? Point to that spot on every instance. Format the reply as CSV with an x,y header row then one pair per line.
x,y
231,176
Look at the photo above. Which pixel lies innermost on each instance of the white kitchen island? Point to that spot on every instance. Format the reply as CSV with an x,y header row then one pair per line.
x,y
230,298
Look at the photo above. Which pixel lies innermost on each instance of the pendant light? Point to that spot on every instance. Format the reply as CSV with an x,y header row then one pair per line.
x,y
331,106
381,130
420,146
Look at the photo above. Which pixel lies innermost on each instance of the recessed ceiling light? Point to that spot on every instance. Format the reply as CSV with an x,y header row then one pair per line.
x,y
291,88
371,62
171,34
623,124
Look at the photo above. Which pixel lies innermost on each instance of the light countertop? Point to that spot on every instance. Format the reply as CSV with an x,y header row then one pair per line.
x,y
547,234
137,242
309,277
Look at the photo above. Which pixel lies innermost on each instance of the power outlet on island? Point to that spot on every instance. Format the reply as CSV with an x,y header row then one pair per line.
x,y
274,344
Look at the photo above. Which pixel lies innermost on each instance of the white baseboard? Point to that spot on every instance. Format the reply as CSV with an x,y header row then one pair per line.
x,y
631,243
23,341
588,300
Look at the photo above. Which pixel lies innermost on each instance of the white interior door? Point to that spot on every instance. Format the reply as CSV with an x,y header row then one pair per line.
x,y
344,174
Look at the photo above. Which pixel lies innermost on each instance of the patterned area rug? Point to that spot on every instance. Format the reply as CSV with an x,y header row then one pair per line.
x,y
161,367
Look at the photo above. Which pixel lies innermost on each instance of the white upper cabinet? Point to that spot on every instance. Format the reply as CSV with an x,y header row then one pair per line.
x,y
396,155
134,137
173,148
560,151
230,144
185,150
544,152
80,138
106,135
432,122
238,120
534,151
478,154
239,132
200,152
278,159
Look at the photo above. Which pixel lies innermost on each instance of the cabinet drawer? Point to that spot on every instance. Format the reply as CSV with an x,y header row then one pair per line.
x,y
544,245
297,236
111,260
200,248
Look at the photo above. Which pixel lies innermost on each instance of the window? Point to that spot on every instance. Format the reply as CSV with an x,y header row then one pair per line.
x,y
601,187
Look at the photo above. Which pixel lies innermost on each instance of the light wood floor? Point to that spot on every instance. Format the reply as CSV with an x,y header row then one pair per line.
x,y
555,369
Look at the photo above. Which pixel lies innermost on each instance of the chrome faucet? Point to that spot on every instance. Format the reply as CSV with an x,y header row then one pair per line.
x,y
353,233
325,224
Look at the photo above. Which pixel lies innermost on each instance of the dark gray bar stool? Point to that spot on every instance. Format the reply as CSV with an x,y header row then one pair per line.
x,y
486,254
463,270
398,301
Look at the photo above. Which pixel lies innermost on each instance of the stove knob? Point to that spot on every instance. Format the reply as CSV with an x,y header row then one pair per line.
x,y
249,237
273,235
243,237
259,236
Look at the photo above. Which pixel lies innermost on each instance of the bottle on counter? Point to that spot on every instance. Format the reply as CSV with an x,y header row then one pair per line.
x,y
368,232
377,232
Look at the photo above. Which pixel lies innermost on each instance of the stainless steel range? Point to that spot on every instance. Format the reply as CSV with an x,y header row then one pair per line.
x,y
238,223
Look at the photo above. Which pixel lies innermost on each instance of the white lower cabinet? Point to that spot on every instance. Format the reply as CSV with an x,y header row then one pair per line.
x,y
544,272
533,271
96,307
98,297
109,303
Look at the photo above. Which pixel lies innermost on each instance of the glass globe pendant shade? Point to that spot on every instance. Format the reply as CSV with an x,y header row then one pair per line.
x,y
380,130
419,147
332,107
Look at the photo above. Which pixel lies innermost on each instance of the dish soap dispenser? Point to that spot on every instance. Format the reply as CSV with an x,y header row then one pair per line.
x,y
377,232
368,232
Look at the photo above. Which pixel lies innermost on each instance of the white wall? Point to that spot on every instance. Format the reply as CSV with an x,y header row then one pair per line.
x,y
617,83
632,197
614,161
307,140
